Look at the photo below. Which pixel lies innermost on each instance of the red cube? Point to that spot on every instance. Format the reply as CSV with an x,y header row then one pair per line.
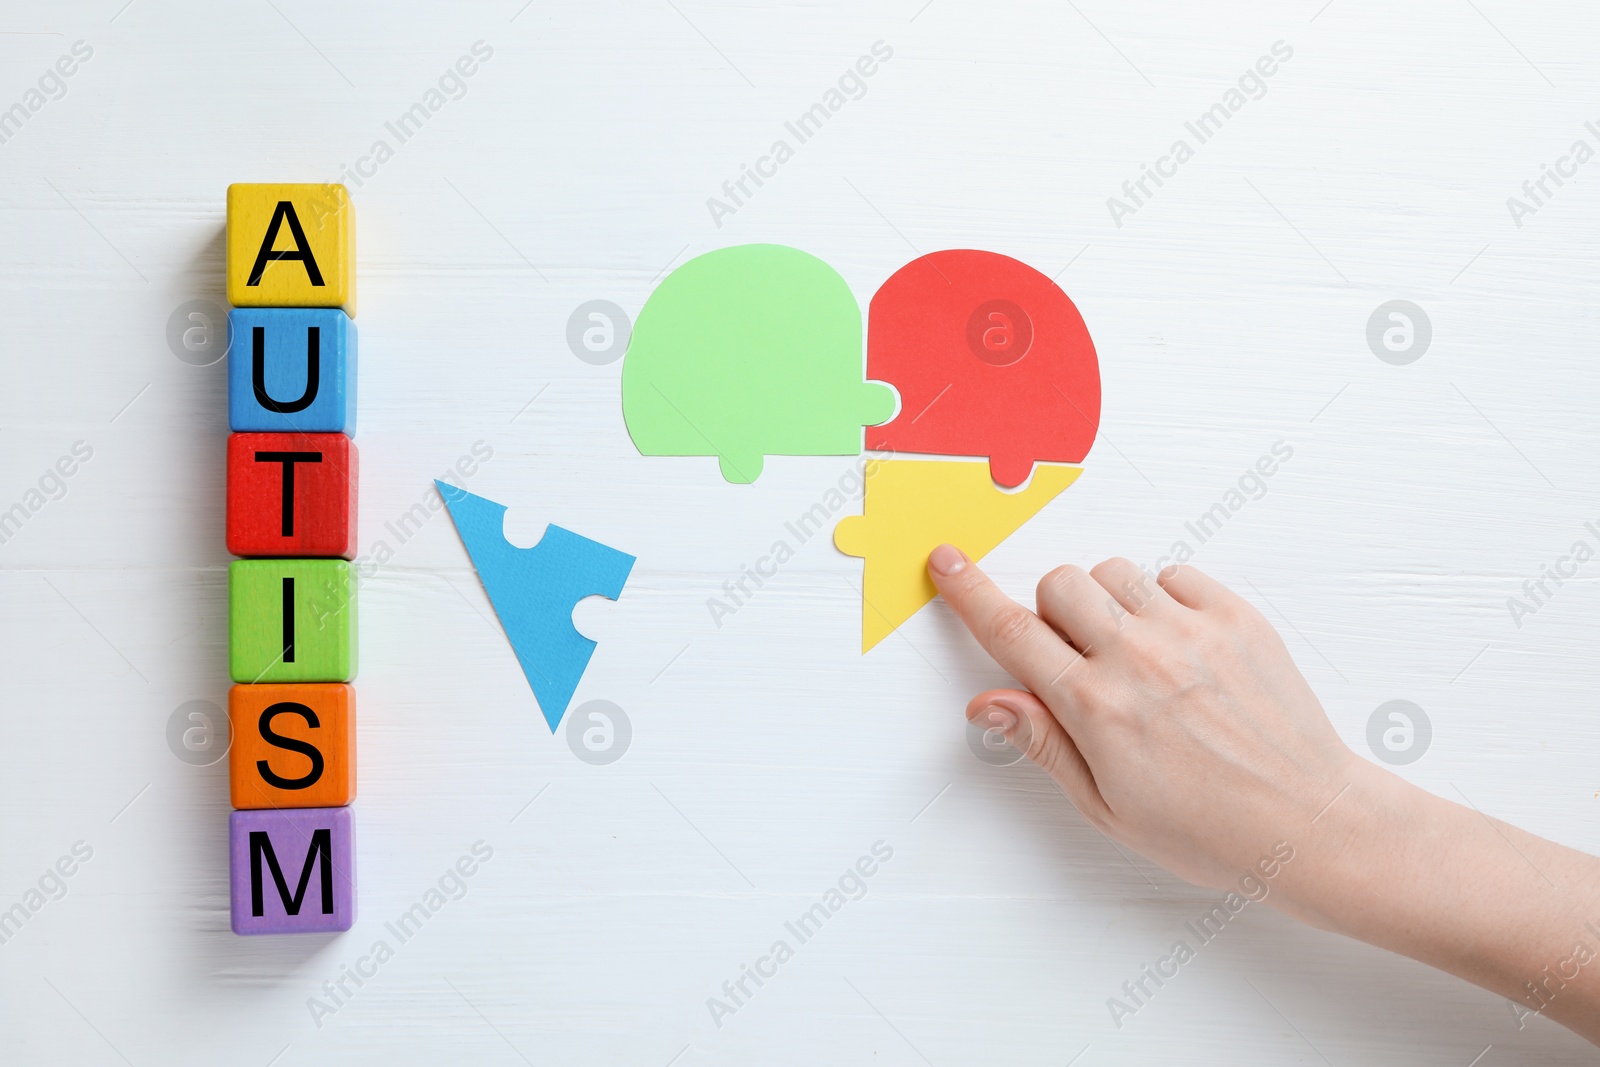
x,y
292,494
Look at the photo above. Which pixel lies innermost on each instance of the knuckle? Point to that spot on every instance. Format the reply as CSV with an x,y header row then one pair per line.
x,y
1129,583
1059,580
1011,626
1045,752
1115,567
970,580
1068,685
1190,629
1238,613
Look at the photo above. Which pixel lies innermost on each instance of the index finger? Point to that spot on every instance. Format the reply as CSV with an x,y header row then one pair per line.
x,y
1019,640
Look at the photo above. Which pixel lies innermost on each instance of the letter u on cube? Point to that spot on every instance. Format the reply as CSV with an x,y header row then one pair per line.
x,y
291,510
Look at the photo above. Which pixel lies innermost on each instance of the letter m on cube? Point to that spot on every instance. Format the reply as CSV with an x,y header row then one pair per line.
x,y
292,871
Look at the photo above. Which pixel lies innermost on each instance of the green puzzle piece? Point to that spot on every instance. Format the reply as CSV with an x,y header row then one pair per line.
x,y
749,352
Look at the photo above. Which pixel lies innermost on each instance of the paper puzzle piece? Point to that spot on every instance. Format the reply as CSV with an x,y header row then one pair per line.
x,y
991,359
534,590
748,352
914,506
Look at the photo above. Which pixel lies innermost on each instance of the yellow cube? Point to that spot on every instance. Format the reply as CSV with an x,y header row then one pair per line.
x,y
291,245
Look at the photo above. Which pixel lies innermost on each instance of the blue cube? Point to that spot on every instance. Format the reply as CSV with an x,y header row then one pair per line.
x,y
292,370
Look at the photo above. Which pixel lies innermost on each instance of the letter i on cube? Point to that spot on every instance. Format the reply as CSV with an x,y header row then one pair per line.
x,y
291,510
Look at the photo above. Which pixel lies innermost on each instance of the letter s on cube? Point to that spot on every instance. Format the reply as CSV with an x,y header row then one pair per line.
x,y
294,746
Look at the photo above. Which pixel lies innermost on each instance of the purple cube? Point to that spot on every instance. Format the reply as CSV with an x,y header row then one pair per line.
x,y
292,871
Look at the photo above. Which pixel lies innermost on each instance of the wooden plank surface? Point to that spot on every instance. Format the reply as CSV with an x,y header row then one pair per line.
x,y
767,756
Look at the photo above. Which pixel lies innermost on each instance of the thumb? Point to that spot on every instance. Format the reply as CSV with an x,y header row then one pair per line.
x,y
1033,729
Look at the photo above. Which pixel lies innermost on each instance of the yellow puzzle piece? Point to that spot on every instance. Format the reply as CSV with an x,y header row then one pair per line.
x,y
913,506
291,245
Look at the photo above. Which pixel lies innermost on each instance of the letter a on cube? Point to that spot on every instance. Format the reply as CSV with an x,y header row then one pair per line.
x,y
291,246
292,872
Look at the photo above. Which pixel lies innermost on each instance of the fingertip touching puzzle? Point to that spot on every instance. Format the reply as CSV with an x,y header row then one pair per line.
x,y
756,350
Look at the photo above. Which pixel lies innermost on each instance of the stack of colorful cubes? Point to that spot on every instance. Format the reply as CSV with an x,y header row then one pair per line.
x,y
291,503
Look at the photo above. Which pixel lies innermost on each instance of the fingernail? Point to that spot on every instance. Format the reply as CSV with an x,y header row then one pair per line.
x,y
995,717
947,560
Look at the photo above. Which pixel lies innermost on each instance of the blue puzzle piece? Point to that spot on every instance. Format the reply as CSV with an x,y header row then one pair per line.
x,y
534,590
292,370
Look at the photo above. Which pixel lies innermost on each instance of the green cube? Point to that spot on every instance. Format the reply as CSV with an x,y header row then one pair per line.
x,y
291,620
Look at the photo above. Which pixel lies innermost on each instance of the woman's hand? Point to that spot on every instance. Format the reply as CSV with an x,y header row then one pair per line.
x,y
1172,715
1169,710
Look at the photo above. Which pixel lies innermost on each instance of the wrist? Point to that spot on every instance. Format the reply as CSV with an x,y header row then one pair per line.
x,y
1393,865
1350,849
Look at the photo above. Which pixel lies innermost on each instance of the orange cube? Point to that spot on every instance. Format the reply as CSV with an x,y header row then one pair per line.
x,y
294,746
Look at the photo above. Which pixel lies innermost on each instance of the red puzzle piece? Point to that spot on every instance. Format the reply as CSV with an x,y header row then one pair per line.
x,y
291,494
991,359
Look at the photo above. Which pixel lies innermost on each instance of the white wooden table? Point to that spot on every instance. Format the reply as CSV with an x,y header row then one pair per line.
x,y
1231,312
